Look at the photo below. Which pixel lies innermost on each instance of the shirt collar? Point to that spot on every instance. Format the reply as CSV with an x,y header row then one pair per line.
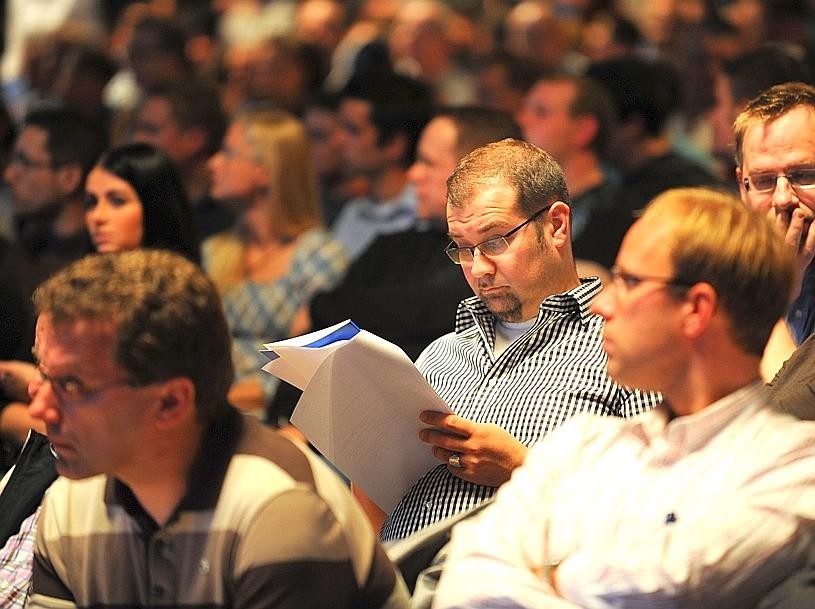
x,y
696,430
205,476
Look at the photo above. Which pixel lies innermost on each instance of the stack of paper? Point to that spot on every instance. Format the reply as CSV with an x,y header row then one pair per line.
x,y
360,406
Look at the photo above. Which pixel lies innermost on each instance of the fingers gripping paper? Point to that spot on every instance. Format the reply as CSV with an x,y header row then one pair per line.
x,y
360,406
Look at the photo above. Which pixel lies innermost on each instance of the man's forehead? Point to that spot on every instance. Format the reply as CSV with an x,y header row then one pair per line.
x,y
34,136
488,202
439,138
72,332
355,107
157,107
554,90
795,128
646,247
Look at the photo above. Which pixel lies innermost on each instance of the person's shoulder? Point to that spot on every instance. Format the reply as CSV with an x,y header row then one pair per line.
x,y
74,507
268,453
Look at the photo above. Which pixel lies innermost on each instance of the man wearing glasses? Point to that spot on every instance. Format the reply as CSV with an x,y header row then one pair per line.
x,y
707,500
775,155
775,158
526,353
167,495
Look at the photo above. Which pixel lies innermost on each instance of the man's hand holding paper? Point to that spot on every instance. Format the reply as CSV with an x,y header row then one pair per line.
x,y
482,453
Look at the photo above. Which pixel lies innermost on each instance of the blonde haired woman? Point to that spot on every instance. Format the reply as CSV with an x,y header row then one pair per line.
x,y
279,254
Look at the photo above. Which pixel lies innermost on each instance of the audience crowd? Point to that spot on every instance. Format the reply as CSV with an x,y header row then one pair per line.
x,y
589,222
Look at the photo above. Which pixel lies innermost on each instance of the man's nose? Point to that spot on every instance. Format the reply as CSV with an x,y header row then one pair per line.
x,y
95,214
784,195
43,404
481,265
603,304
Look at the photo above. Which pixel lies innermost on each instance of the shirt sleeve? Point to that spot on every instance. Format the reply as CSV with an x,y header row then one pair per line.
x,y
16,562
496,556
299,554
48,590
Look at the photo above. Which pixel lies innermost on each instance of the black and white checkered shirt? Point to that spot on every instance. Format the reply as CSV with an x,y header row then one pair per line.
x,y
552,372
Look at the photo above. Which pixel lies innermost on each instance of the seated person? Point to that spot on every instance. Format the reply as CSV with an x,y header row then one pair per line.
x,y
707,500
201,505
526,352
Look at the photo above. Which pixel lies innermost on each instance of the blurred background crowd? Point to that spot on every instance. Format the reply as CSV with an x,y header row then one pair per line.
x,y
213,83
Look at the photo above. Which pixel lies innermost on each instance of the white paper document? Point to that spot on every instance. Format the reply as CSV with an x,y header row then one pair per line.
x,y
360,406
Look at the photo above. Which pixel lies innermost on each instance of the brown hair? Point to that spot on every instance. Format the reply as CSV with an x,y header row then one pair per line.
x,y
167,312
770,105
534,175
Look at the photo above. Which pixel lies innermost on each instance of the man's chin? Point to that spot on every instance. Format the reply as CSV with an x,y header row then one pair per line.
x,y
503,306
73,471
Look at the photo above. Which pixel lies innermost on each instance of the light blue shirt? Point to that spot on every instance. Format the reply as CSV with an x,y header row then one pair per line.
x,y
363,219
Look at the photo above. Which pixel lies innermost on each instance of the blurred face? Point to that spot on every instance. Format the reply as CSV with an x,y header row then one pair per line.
x,y
326,141
237,178
642,333
495,91
654,18
780,147
436,158
722,115
34,183
361,152
113,212
546,119
514,283
152,65
155,125
94,418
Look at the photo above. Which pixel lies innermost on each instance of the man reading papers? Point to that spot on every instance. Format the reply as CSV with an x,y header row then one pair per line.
x,y
526,352
706,501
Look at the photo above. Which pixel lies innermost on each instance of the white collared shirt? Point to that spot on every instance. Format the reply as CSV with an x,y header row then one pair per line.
x,y
712,509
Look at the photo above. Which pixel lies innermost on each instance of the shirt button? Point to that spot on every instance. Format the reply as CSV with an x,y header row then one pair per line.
x,y
428,504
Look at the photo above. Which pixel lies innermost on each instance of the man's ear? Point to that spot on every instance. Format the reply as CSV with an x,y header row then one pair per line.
x,y
585,130
701,303
560,215
176,402
193,140
69,178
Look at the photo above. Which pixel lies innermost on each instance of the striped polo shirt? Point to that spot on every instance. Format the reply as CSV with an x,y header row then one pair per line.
x,y
263,524
552,372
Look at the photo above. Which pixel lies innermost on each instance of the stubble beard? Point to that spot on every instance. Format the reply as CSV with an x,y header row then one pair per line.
x,y
506,307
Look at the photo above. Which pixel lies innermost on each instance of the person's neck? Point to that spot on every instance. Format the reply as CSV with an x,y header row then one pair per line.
x,y
647,150
583,172
70,220
702,385
389,183
196,179
257,229
160,480
568,280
